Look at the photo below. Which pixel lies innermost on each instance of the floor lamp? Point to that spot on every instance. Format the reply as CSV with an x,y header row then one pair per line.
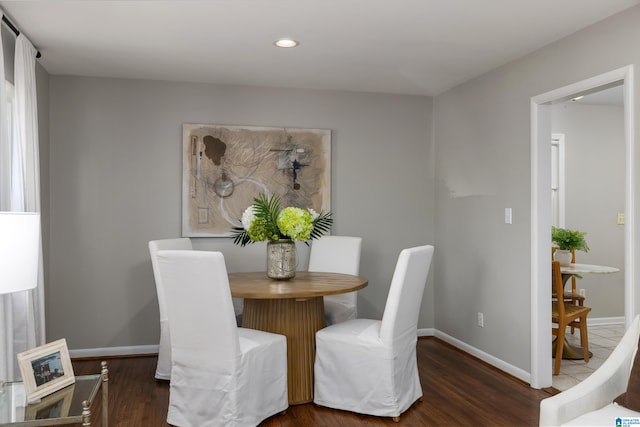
x,y
19,253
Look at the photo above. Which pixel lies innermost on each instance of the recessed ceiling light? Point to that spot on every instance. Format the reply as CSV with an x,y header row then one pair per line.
x,y
285,43
577,98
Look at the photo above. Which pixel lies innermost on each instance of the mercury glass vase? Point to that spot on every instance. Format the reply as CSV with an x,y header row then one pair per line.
x,y
282,259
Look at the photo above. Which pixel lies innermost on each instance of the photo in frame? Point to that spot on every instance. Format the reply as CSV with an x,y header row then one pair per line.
x,y
45,369
226,166
55,405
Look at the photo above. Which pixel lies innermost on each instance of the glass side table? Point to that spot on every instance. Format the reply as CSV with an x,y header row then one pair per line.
x,y
69,405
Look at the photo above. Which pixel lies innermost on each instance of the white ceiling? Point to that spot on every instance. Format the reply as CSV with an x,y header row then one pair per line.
x,y
420,47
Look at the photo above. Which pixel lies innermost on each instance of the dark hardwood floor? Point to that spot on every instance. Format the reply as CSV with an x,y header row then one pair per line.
x,y
459,390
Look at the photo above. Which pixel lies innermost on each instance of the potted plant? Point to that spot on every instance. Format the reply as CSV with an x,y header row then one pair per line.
x,y
568,241
266,220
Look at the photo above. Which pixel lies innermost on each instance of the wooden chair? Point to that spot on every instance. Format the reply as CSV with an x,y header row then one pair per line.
x,y
572,296
566,314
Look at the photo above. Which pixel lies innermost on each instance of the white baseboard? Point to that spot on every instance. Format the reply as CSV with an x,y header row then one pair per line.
x,y
485,357
501,364
153,349
114,351
424,332
602,321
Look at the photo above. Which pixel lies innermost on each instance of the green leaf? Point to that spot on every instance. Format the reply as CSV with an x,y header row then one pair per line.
x,y
569,239
240,236
321,225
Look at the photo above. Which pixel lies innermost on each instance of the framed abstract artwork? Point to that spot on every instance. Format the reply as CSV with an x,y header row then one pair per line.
x,y
225,167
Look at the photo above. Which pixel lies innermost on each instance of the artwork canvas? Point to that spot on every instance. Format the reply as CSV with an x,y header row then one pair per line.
x,y
225,167
46,369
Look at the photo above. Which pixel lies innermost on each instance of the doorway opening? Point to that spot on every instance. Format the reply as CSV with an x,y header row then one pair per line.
x,y
541,211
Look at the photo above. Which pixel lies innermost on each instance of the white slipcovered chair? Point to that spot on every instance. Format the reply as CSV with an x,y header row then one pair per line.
x,y
163,369
221,375
590,402
370,366
337,254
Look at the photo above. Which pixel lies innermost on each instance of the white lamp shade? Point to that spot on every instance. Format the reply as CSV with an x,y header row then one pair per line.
x,y
19,251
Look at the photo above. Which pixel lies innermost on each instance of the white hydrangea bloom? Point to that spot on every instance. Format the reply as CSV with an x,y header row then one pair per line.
x,y
313,213
247,217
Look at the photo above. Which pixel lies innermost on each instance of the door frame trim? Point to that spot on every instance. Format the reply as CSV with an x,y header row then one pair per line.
x,y
561,173
540,280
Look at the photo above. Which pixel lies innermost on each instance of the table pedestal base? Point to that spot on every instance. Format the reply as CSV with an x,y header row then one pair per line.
x,y
569,352
298,320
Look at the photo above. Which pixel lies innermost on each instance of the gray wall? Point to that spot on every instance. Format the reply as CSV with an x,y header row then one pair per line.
x,y
115,184
482,140
9,48
115,172
594,151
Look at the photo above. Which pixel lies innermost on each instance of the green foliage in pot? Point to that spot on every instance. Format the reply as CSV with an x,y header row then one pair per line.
x,y
569,239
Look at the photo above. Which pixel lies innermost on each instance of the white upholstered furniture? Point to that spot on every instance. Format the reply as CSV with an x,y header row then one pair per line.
x,y
163,369
221,375
589,403
293,308
337,254
369,366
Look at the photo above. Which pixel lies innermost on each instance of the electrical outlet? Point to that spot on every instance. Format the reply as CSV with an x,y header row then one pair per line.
x,y
481,319
583,292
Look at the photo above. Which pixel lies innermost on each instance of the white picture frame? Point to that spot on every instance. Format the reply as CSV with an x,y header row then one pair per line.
x,y
55,405
45,369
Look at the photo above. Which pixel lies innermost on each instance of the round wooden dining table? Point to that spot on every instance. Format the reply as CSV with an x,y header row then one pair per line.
x,y
293,308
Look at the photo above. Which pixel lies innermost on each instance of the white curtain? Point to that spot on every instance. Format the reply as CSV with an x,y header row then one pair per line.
x,y
5,142
6,320
21,313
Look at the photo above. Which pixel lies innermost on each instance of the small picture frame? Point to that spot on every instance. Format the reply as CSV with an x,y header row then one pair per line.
x,y
56,405
46,369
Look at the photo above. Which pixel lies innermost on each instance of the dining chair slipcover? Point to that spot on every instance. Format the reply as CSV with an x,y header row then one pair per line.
x,y
163,368
222,375
370,366
337,254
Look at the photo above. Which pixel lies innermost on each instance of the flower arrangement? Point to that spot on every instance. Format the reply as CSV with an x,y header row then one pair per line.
x,y
265,220
568,240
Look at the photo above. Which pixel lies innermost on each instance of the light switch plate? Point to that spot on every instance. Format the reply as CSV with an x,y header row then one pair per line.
x,y
507,216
